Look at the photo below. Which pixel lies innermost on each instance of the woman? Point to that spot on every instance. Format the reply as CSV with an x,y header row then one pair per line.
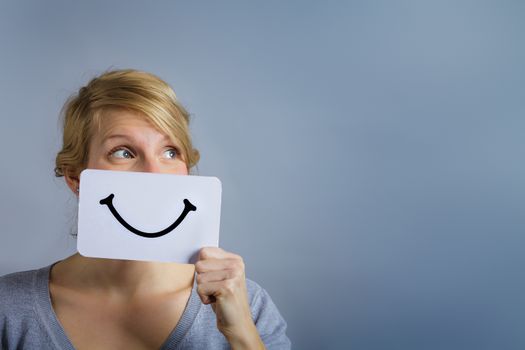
x,y
130,120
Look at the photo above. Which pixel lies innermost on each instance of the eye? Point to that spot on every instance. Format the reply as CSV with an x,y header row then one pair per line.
x,y
170,153
121,154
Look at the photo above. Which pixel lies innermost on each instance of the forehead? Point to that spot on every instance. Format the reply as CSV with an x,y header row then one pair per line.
x,y
125,122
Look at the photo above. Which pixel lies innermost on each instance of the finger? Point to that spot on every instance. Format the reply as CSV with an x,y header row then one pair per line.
x,y
216,253
207,299
216,290
203,266
205,292
217,276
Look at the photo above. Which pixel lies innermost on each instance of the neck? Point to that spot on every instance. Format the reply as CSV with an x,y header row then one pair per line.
x,y
125,277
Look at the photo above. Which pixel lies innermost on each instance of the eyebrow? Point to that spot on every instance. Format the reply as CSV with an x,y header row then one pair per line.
x,y
116,136
105,139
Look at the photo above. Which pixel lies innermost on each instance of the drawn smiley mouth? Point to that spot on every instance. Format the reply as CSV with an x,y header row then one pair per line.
x,y
187,208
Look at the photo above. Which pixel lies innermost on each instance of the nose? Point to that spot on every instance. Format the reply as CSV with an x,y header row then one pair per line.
x,y
150,165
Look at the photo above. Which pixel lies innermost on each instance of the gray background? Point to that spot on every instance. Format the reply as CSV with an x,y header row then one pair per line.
x,y
371,152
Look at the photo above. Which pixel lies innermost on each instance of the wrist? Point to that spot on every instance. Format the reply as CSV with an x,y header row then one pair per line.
x,y
247,338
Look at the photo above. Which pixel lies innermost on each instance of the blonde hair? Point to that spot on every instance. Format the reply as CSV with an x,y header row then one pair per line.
x,y
129,89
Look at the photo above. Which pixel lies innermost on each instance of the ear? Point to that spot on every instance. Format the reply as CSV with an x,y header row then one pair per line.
x,y
72,180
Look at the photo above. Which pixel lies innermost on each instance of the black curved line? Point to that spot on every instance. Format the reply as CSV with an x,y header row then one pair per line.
x,y
187,208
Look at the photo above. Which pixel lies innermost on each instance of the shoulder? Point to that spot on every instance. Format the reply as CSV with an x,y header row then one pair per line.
x,y
20,321
253,288
16,286
17,291
16,295
258,297
267,318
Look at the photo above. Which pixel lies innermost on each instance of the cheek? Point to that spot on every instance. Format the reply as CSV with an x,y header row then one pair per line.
x,y
182,168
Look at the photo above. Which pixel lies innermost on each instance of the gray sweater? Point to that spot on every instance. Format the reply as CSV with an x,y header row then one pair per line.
x,y
27,319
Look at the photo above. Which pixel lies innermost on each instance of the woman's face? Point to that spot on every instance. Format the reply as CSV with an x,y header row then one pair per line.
x,y
127,141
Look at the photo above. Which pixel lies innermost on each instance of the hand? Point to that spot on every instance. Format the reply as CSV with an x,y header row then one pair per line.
x,y
221,282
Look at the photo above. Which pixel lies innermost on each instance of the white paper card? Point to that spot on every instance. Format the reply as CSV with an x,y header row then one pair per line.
x,y
147,216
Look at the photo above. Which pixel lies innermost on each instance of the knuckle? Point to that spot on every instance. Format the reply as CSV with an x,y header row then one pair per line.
x,y
228,275
237,264
200,290
236,256
204,253
237,273
229,287
199,266
204,299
